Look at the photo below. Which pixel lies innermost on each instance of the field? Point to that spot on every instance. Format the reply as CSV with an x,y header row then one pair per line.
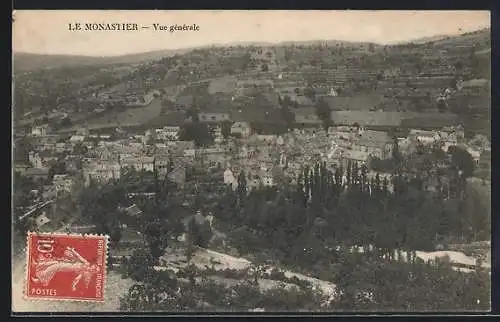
x,y
222,85
129,117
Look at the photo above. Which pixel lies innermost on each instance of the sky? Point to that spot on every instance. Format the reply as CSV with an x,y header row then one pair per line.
x,y
47,32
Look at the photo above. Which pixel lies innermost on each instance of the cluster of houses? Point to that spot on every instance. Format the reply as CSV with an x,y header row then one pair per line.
x,y
266,159
109,159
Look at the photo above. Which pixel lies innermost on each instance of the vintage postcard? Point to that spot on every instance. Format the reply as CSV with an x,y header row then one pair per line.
x,y
251,161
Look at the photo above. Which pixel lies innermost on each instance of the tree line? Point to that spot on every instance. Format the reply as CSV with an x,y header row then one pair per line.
x,y
345,207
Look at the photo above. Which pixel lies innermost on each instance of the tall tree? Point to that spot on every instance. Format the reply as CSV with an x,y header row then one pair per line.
x,y
462,160
242,186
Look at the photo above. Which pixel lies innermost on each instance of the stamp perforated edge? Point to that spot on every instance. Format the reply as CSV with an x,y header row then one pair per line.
x,y
26,297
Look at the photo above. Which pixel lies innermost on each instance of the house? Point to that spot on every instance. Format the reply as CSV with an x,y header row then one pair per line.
x,y
229,179
213,156
162,164
283,161
218,136
42,220
452,134
376,143
63,146
475,153
142,163
448,139
41,130
76,138
172,131
424,137
168,133
332,92
214,117
361,157
101,171
242,129
343,137
40,159
63,183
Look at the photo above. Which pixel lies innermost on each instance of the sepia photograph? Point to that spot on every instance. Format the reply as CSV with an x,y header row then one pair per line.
x,y
251,161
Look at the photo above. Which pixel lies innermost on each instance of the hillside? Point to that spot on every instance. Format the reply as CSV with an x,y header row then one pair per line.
x,y
28,62
480,37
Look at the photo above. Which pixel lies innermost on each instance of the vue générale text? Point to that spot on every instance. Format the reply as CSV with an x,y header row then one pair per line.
x,y
77,26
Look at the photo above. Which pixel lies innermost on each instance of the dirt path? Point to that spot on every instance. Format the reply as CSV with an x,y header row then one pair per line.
x,y
204,258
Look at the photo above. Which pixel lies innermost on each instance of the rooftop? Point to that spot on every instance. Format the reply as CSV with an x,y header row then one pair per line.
x,y
356,155
422,133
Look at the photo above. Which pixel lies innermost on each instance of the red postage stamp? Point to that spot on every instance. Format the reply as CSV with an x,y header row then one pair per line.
x,y
66,267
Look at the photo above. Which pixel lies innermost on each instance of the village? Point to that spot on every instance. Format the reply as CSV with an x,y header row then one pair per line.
x,y
64,166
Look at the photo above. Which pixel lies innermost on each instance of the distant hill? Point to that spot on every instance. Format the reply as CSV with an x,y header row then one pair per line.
x,y
424,40
28,62
475,36
480,37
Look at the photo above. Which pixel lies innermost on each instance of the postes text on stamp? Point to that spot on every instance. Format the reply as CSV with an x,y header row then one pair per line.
x,y
66,267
